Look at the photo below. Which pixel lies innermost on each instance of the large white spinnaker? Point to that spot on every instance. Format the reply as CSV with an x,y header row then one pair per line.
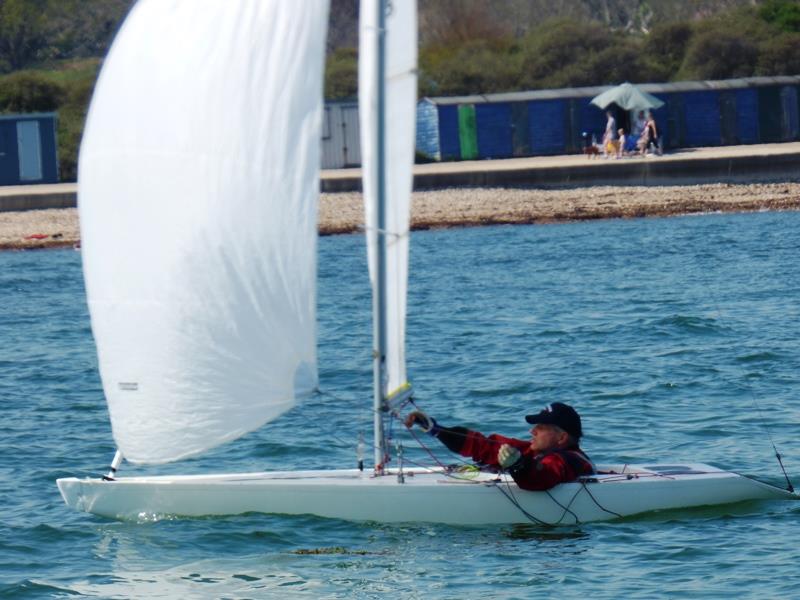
x,y
399,119
198,186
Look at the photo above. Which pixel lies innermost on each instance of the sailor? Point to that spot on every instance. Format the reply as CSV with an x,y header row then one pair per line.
x,y
552,456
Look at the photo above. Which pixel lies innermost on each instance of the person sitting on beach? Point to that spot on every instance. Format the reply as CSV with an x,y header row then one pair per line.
x,y
552,456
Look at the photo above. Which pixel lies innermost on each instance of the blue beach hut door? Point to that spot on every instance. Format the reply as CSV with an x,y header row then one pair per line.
x,y
30,151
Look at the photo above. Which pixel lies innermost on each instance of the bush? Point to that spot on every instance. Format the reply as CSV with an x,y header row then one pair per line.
x,y
780,55
25,92
784,14
22,33
71,121
341,74
619,63
715,54
559,54
476,67
665,49
67,91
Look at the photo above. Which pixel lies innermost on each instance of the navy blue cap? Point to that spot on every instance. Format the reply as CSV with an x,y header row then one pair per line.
x,y
561,415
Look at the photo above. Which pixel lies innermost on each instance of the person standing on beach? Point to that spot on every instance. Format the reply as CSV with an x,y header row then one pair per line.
x,y
610,134
550,457
639,125
621,143
652,133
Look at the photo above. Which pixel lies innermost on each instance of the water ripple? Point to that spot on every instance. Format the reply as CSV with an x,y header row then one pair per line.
x,y
667,334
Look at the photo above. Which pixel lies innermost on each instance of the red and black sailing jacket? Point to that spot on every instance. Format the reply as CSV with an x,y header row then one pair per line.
x,y
533,472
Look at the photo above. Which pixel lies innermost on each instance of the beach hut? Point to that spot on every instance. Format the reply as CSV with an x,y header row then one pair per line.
x,y
505,125
730,112
341,147
694,113
28,149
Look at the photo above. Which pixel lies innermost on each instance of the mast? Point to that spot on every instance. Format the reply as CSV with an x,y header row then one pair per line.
x,y
379,297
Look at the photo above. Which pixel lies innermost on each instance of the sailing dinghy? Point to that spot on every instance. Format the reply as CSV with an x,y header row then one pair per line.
x,y
198,187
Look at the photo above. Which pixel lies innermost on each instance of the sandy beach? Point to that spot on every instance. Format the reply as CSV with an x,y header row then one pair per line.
x,y
343,212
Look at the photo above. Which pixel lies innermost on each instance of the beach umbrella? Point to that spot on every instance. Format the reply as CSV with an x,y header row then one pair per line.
x,y
627,96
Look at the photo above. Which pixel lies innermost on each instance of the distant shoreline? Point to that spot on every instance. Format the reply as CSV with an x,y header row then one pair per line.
x,y
342,213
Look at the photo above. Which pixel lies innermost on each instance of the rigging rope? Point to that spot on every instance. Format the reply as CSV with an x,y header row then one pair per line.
x,y
448,471
754,398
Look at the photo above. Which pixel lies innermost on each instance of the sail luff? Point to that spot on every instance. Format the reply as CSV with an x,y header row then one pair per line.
x,y
198,185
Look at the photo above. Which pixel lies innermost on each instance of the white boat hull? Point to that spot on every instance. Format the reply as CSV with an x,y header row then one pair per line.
x,y
426,495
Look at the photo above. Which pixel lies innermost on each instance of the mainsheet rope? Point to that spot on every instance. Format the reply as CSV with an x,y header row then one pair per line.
x,y
498,483
464,462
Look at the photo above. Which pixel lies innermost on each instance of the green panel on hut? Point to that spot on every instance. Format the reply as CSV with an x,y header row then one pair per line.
x,y
769,114
727,116
519,129
467,131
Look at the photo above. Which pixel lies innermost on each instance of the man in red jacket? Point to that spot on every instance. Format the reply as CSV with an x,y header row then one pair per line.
x,y
551,457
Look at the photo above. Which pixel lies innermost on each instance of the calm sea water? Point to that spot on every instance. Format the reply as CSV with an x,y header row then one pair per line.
x,y
664,333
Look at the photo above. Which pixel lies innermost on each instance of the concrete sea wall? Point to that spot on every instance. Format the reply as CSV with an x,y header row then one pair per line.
x,y
731,164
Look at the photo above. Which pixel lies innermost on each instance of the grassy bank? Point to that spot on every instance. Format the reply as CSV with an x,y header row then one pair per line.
x,y
65,88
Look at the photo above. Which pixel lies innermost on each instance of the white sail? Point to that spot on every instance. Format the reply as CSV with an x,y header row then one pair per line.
x,y
399,131
198,185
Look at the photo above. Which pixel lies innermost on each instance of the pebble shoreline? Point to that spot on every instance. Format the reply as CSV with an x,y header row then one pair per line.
x,y
463,207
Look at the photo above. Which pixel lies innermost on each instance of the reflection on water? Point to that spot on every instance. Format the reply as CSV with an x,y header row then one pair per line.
x,y
537,533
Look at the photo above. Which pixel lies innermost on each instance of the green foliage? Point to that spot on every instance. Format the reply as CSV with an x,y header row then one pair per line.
x,y
66,91
81,29
28,91
734,44
470,47
780,55
341,74
784,14
33,32
743,41
665,49
79,85
475,67
22,32
623,61
720,55
560,53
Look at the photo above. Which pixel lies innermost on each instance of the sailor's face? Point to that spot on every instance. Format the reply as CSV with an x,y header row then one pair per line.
x,y
545,437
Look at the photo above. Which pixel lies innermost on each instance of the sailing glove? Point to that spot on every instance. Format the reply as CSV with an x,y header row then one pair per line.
x,y
508,456
426,423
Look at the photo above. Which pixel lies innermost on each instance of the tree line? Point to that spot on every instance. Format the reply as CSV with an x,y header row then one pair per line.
x,y
51,50
50,54
478,55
